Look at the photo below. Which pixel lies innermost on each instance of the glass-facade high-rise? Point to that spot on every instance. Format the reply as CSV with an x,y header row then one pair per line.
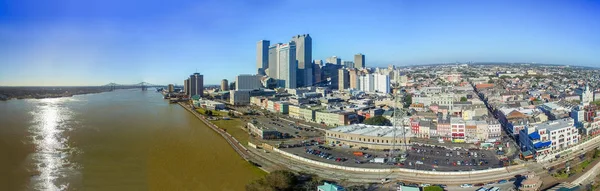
x,y
287,67
262,56
304,59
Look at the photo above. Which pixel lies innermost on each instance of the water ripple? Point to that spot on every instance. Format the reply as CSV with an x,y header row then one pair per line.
x,y
51,158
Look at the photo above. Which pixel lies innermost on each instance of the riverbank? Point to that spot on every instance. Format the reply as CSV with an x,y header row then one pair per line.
x,y
237,146
8,93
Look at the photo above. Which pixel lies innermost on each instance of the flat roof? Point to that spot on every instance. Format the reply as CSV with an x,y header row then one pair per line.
x,y
556,124
372,130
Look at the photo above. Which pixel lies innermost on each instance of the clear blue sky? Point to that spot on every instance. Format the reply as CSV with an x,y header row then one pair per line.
x,y
94,42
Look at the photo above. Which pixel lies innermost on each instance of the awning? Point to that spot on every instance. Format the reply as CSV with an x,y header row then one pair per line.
x,y
534,136
542,144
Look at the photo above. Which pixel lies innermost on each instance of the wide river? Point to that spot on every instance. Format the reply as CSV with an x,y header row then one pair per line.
x,y
121,140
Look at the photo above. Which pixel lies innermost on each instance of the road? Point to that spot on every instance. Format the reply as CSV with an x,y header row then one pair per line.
x,y
368,177
588,176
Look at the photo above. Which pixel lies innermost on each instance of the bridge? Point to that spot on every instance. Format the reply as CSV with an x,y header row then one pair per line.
x,y
143,85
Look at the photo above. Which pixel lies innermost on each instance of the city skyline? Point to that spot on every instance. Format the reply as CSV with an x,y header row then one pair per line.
x,y
94,43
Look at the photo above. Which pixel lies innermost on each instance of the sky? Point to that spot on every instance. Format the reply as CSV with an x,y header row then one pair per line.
x,y
95,42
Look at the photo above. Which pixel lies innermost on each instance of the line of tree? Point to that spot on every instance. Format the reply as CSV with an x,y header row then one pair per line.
x,y
378,120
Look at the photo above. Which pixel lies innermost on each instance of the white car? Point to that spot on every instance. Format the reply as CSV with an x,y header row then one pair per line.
x,y
466,185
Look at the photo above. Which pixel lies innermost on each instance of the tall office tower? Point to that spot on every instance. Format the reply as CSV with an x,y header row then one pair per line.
x,y
304,59
247,81
196,84
170,88
262,56
317,73
186,86
382,83
353,74
224,85
286,60
272,71
343,79
359,61
347,64
333,60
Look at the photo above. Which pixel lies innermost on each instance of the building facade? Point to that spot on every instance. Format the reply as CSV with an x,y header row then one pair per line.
x,y
343,79
262,56
196,85
247,81
224,85
286,55
359,61
304,71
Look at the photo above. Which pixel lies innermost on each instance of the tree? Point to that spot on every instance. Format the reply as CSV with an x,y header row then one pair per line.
x,y
280,180
208,112
378,120
463,99
407,100
230,114
490,81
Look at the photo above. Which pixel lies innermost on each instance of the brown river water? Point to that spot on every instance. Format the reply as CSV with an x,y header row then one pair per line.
x,y
121,140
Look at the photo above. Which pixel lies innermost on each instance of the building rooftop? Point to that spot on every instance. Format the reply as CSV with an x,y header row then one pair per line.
x,y
556,124
371,130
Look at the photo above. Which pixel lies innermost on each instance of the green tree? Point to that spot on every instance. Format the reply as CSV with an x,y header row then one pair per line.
x,y
462,99
407,100
378,120
208,112
433,188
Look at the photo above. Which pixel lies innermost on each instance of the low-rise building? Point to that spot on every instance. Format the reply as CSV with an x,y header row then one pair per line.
x,y
369,136
458,129
550,136
263,132
335,117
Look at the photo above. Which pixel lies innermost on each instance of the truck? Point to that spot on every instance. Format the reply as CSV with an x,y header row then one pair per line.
x,y
378,160
358,154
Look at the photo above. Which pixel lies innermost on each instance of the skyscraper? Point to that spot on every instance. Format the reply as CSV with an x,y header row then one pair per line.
x,y
317,73
186,86
333,60
353,74
171,88
286,65
224,85
196,85
262,56
304,59
272,70
347,64
343,79
359,61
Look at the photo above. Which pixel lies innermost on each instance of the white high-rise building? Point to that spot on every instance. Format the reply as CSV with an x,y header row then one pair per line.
x,y
374,83
366,83
273,70
286,65
587,96
382,83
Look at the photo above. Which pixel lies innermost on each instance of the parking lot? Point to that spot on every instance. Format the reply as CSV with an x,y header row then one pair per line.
x,y
284,127
418,157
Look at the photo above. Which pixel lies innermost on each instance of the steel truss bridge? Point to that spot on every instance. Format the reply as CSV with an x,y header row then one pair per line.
x,y
143,85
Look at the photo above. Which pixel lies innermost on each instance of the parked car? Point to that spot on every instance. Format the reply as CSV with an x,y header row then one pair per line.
x,y
502,181
466,185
